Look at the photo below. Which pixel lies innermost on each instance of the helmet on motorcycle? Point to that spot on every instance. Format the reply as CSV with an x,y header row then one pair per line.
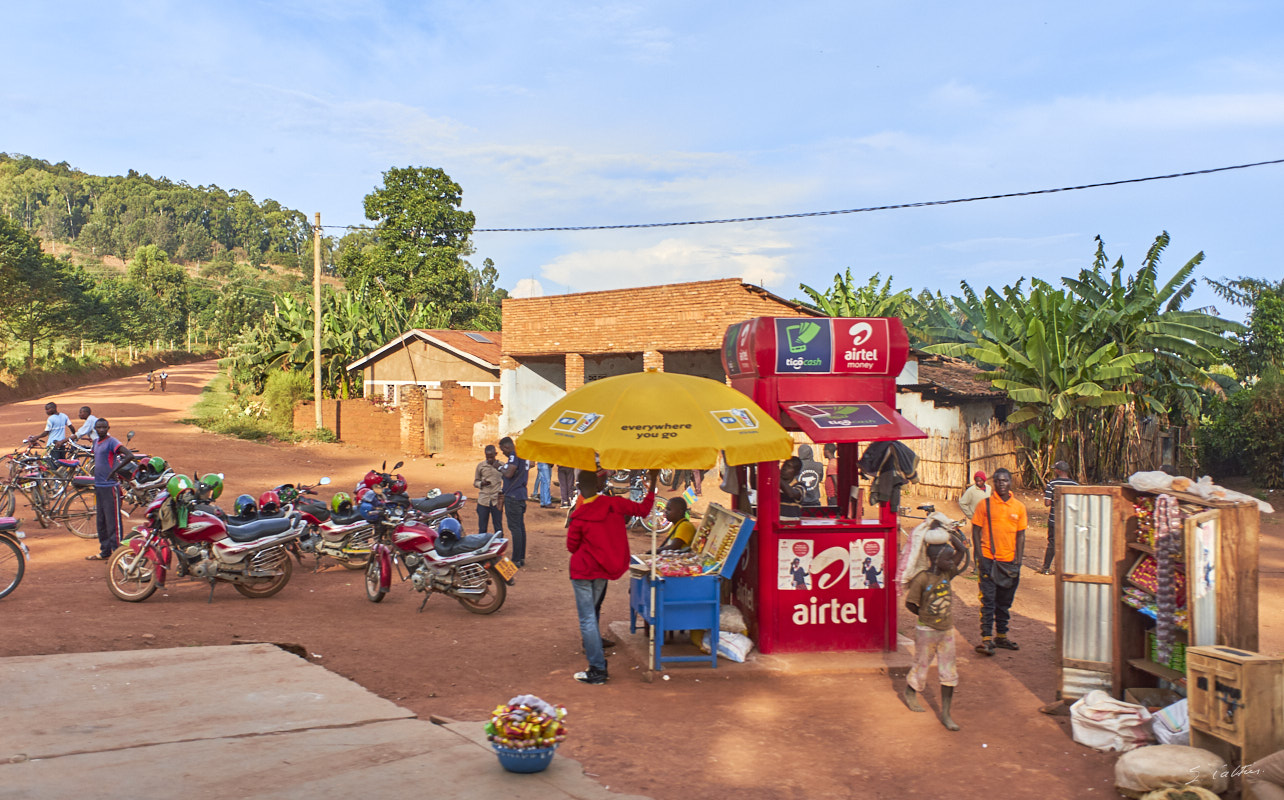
x,y
371,480
450,527
157,465
287,493
244,506
269,502
179,484
397,484
211,486
341,503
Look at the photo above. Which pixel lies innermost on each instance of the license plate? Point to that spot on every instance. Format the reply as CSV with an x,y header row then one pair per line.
x,y
506,568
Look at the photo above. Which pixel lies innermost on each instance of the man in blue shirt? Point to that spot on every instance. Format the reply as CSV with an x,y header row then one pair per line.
x,y
515,475
56,428
110,456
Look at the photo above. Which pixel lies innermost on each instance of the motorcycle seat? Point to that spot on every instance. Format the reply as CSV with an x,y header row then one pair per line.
x,y
430,504
314,509
349,518
256,529
455,546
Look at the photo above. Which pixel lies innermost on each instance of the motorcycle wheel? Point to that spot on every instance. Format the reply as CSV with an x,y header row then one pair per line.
x,y
667,476
655,521
492,600
131,588
80,514
270,586
374,582
12,563
7,502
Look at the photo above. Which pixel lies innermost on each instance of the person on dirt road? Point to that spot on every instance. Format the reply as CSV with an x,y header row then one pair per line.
x,y
515,473
998,534
489,483
1062,470
598,540
974,494
57,428
929,597
164,376
110,456
87,426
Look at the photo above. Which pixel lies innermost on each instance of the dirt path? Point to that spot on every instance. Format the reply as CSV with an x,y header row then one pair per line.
x,y
703,734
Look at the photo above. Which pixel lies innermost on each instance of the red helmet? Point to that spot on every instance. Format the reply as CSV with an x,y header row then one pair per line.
x,y
269,502
371,480
397,484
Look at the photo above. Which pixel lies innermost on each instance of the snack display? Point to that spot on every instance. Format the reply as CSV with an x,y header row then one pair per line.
x,y
1144,508
670,564
1146,604
527,722
1145,575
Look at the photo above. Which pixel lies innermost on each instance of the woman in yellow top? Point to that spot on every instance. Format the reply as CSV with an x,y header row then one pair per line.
x,y
680,536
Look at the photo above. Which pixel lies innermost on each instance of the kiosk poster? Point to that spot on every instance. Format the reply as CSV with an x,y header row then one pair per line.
x,y
841,415
794,564
866,571
803,345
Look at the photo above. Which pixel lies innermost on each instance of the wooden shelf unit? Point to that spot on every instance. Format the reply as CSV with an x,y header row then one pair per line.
x,y
1101,640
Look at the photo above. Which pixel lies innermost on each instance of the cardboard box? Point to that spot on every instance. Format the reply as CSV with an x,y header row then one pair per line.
x,y
1152,699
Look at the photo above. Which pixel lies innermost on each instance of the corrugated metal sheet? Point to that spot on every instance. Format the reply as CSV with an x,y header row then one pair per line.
x,y
1075,683
1087,608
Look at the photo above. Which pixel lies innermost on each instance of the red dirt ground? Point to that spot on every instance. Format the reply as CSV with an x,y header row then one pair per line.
x,y
702,734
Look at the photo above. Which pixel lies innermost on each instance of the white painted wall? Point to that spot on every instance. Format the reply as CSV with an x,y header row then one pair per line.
x,y
528,390
925,414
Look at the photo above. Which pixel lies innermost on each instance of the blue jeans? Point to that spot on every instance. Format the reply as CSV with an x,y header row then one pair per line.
x,y
588,604
486,514
544,483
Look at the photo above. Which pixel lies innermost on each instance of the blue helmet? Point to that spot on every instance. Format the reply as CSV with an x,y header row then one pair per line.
x,y
245,506
450,526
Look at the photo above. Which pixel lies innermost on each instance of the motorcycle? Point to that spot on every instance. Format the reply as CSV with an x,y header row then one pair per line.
x,y
390,488
344,534
13,555
471,569
184,528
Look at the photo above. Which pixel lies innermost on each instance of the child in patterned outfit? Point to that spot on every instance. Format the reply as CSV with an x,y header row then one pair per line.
x,y
929,596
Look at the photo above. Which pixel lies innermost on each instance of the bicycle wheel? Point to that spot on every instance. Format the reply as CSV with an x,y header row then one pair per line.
x,y
656,521
12,565
79,514
8,502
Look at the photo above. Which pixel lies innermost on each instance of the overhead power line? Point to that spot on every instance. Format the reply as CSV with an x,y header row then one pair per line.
x,y
891,207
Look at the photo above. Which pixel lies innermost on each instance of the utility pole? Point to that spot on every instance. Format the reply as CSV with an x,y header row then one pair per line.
x,y
316,317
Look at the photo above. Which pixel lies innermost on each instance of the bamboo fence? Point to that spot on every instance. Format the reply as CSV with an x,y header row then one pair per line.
x,y
946,463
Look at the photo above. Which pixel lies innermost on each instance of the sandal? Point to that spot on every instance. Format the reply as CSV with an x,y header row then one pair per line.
x,y
96,557
1006,643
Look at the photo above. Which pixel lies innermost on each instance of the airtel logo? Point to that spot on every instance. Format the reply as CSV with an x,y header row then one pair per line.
x,y
861,332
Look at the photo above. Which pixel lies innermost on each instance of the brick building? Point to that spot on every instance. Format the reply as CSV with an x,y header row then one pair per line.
x,y
553,345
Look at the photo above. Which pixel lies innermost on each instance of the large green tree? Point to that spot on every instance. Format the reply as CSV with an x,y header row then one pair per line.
x,y
44,297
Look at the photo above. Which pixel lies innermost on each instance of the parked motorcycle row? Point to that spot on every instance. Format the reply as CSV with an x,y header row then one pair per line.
x,y
378,528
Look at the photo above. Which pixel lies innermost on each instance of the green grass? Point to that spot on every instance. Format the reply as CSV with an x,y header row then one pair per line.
x,y
220,410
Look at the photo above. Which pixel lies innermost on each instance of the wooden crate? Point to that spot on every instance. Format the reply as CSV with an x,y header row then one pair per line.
x,y
1237,697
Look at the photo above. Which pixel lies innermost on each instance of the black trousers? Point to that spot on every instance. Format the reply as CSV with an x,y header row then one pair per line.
x,y
996,602
515,511
108,518
1050,554
566,484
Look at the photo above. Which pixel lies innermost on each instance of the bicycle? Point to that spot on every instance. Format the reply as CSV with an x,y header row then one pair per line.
x,y
70,501
13,555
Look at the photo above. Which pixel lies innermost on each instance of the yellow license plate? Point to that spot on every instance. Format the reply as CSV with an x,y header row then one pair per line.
x,y
506,568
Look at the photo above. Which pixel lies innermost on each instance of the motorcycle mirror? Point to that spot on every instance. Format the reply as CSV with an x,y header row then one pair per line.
x,y
383,467
397,466
324,481
129,436
221,476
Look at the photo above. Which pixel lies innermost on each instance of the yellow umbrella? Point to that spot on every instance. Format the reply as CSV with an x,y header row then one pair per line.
x,y
653,420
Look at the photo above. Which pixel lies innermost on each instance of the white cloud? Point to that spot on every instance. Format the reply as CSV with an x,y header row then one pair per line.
x,y
527,287
955,95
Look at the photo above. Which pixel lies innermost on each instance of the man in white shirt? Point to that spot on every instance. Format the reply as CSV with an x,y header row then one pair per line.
x,y
57,428
974,494
87,429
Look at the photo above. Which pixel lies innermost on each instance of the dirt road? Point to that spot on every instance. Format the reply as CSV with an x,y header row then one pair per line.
x,y
702,734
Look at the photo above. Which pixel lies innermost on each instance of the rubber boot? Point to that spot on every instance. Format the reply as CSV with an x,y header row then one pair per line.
x,y
947,699
911,699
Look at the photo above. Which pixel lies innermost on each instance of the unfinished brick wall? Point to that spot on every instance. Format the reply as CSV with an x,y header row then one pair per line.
x,y
359,422
680,316
468,423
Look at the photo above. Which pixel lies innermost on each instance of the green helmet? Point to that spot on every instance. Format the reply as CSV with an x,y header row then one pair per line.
x,y
179,484
341,502
157,464
211,486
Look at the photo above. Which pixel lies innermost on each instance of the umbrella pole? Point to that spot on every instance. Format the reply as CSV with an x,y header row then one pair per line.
x,y
651,670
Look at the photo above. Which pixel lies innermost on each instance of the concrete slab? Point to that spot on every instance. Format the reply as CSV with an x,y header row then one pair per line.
x,y
246,722
898,663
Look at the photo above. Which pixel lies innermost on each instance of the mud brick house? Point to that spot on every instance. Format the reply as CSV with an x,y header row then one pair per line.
x,y
553,345
452,375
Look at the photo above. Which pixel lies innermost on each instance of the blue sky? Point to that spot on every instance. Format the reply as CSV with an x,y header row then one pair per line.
x,y
570,114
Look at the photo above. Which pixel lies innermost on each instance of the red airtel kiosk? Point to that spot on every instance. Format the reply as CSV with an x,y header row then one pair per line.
x,y
825,582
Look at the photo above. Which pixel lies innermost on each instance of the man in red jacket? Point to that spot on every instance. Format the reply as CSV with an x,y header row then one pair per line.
x,y
599,543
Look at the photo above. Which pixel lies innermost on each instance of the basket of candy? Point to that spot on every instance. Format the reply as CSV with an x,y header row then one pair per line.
x,y
526,732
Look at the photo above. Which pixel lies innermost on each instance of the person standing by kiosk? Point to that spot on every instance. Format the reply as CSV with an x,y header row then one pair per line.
x,y
516,473
998,534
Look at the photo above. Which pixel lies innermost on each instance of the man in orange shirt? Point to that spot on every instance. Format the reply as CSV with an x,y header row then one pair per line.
x,y
998,534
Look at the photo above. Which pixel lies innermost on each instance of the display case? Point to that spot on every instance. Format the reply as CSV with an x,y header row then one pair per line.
x,y
1235,699
685,592
1106,587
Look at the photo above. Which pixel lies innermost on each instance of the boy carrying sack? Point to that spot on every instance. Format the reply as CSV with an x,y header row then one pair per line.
x,y
929,596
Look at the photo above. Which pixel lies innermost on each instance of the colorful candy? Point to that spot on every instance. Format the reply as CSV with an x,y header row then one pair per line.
x,y
527,722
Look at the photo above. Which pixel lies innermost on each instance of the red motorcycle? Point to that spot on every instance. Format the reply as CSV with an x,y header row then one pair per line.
x,y
336,529
183,529
471,569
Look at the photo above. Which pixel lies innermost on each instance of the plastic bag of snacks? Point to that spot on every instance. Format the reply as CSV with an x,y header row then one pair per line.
x,y
527,722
